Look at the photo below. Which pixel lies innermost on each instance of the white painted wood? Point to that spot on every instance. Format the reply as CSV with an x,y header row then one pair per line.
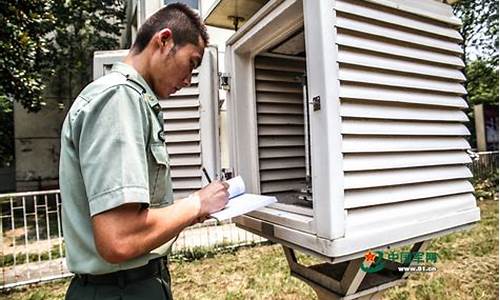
x,y
281,111
364,218
394,79
382,161
402,95
181,114
183,136
280,186
390,127
430,9
372,179
355,144
277,152
365,26
394,194
396,48
390,111
390,63
396,17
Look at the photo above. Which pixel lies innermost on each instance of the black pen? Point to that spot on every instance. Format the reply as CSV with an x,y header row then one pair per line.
x,y
206,174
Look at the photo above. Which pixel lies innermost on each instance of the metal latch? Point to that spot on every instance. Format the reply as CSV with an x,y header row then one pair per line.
x,y
224,81
316,102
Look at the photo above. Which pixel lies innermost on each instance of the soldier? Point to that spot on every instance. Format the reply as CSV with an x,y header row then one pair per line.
x,y
119,218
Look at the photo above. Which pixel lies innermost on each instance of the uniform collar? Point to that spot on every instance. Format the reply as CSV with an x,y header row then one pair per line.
x,y
134,76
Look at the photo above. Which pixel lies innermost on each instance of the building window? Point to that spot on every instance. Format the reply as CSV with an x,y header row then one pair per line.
x,y
191,3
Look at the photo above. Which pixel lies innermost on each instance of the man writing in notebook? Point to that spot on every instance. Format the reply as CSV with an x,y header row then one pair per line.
x,y
119,218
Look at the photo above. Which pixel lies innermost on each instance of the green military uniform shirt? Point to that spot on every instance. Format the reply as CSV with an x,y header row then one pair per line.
x,y
112,152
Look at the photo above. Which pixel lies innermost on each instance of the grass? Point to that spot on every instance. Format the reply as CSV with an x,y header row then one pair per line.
x,y
8,260
467,269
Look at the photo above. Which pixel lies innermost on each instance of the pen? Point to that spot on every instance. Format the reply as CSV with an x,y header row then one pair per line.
x,y
206,175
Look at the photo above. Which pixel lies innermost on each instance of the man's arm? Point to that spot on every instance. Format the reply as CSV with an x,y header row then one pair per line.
x,y
129,230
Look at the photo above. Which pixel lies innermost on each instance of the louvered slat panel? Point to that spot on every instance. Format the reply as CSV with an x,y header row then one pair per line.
x,y
187,91
396,48
267,108
280,141
278,76
382,161
383,195
397,18
185,160
396,79
180,114
186,183
401,107
279,98
280,120
380,29
281,152
396,111
183,136
282,163
390,127
387,94
365,218
278,87
367,144
362,180
180,102
267,187
182,125
272,130
370,59
278,64
186,172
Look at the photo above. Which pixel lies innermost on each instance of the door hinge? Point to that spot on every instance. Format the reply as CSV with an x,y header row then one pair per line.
x,y
224,81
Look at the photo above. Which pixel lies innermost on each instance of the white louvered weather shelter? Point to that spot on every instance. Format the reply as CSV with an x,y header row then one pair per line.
x,y
351,113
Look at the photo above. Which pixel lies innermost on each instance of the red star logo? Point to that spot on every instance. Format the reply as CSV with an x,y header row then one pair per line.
x,y
370,257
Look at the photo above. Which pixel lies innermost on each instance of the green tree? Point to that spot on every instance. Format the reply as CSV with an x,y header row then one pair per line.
x,y
81,28
44,41
482,82
479,29
25,51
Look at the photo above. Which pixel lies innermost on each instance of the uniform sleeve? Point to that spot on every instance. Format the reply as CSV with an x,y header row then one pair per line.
x,y
112,149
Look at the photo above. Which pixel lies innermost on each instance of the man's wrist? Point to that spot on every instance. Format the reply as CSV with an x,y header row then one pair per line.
x,y
195,202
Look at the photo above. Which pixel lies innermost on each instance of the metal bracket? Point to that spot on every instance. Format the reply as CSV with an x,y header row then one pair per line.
x,y
346,280
316,102
224,79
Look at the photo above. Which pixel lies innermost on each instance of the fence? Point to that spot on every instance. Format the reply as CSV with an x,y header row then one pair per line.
x,y
33,247
484,164
32,239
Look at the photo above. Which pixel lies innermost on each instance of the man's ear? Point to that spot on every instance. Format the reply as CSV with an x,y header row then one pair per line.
x,y
165,37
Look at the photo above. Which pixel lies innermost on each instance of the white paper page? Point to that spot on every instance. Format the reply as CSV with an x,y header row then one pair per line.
x,y
243,204
236,186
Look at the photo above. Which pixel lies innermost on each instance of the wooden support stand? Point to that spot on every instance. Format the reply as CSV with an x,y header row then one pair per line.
x,y
346,280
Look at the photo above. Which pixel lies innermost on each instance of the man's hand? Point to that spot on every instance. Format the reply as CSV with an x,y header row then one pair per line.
x,y
212,198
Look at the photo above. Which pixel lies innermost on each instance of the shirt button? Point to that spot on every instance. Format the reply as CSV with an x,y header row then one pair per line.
x,y
161,135
157,108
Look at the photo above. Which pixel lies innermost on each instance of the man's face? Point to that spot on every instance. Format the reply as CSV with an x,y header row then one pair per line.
x,y
171,70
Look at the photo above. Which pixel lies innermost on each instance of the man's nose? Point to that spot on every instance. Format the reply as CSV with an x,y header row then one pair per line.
x,y
187,81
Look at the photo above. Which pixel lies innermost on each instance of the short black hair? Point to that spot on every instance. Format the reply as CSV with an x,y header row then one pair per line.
x,y
185,24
